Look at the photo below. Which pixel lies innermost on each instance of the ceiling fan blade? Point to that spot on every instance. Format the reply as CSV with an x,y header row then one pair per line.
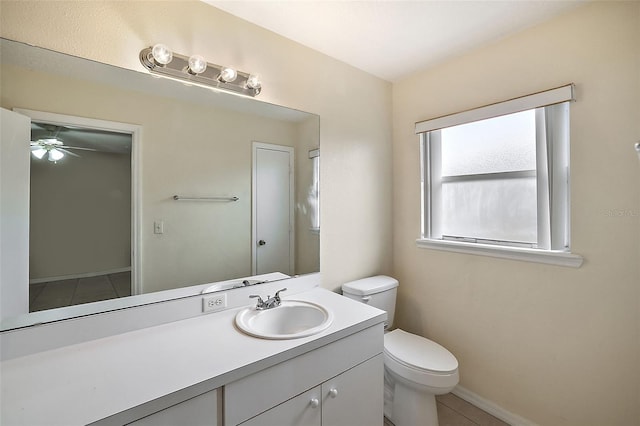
x,y
73,154
78,147
39,126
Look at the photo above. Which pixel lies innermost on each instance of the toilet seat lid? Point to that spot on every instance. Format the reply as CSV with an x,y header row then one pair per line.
x,y
418,352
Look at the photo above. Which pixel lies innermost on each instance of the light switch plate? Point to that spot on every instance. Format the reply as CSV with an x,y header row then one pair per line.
x,y
158,227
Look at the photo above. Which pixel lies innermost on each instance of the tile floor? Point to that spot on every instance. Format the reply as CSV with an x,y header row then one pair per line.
x,y
454,411
56,294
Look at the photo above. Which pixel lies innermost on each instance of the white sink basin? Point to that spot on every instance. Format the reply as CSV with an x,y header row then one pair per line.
x,y
291,320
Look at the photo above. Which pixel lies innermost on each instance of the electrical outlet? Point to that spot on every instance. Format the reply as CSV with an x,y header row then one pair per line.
x,y
214,303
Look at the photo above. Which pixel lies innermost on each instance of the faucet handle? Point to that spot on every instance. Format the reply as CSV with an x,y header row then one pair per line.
x,y
260,301
277,296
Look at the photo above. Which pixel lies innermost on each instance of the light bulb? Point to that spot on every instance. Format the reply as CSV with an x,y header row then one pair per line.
x,y
161,54
197,64
228,75
39,153
55,155
253,82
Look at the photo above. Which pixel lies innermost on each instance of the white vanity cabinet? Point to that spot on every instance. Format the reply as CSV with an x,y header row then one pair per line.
x,y
350,399
203,371
338,384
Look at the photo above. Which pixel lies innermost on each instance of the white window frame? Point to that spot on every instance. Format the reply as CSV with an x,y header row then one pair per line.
x,y
314,156
553,245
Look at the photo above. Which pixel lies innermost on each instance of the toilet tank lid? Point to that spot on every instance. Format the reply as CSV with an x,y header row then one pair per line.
x,y
370,285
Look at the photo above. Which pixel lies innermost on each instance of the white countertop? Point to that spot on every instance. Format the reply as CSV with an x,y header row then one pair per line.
x,y
86,382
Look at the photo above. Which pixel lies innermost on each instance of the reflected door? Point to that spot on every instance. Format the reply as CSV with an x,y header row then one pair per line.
x,y
14,213
273,237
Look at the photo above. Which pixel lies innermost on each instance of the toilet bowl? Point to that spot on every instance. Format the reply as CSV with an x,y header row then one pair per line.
x,y
416,369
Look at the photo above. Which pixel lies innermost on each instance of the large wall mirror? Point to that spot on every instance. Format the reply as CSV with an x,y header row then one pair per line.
x,y
144,189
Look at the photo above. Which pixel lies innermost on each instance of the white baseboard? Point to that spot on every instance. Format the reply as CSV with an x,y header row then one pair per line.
x,y
76,276
491,407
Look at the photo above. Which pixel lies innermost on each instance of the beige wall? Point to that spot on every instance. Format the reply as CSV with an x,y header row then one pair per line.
x,y
555,345
354,107
80,215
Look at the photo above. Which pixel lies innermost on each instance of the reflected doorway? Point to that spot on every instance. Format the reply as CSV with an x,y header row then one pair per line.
x,y
80,212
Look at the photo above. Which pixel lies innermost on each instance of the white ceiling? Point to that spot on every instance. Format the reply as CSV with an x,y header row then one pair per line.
x,y
394,38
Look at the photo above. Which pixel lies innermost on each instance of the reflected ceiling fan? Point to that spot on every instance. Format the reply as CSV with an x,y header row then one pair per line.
x,y
51,146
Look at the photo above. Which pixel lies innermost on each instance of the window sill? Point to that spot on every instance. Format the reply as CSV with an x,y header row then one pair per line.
x,y
559,258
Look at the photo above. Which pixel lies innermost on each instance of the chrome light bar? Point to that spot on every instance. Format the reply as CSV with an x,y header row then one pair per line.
x,y
161,61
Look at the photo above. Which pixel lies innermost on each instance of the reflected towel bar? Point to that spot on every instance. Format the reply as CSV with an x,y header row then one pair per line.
x,y
181,198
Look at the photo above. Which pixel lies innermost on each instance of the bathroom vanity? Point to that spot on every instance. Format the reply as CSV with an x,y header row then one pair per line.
x,y
205,371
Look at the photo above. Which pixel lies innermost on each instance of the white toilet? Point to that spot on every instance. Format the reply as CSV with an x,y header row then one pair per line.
x,y
415,368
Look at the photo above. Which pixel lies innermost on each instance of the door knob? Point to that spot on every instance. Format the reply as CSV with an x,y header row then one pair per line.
x,y
262,242
333,392
314,403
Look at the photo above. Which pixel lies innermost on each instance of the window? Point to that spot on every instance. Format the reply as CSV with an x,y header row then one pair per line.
x,y
314,191
496,179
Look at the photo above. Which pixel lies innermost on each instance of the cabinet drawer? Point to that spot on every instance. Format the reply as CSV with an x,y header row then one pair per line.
x,y
254,394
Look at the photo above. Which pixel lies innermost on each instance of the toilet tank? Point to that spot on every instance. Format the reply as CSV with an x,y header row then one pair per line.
x,y
379,291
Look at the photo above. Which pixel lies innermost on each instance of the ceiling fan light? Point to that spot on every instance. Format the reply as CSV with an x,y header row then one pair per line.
x,y
39,153
55,155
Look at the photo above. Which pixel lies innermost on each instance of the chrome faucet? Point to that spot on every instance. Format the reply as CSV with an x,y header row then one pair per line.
x,y
271,302
246,283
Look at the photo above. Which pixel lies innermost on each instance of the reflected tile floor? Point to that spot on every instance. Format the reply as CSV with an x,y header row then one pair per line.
x,y
454,411
56,294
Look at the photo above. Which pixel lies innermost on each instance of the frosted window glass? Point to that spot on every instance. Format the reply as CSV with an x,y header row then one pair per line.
x,y
497,209
500,144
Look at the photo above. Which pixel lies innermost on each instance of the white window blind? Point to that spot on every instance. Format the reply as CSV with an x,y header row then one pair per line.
x,y
540,99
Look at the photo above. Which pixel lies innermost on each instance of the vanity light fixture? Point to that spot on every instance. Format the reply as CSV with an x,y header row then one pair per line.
x,y
194,69
228,75
197,64
161,54
253,82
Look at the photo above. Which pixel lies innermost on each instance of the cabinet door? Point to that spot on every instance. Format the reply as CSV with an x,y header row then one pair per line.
x,y
355,397
199,411
303,410
259,392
